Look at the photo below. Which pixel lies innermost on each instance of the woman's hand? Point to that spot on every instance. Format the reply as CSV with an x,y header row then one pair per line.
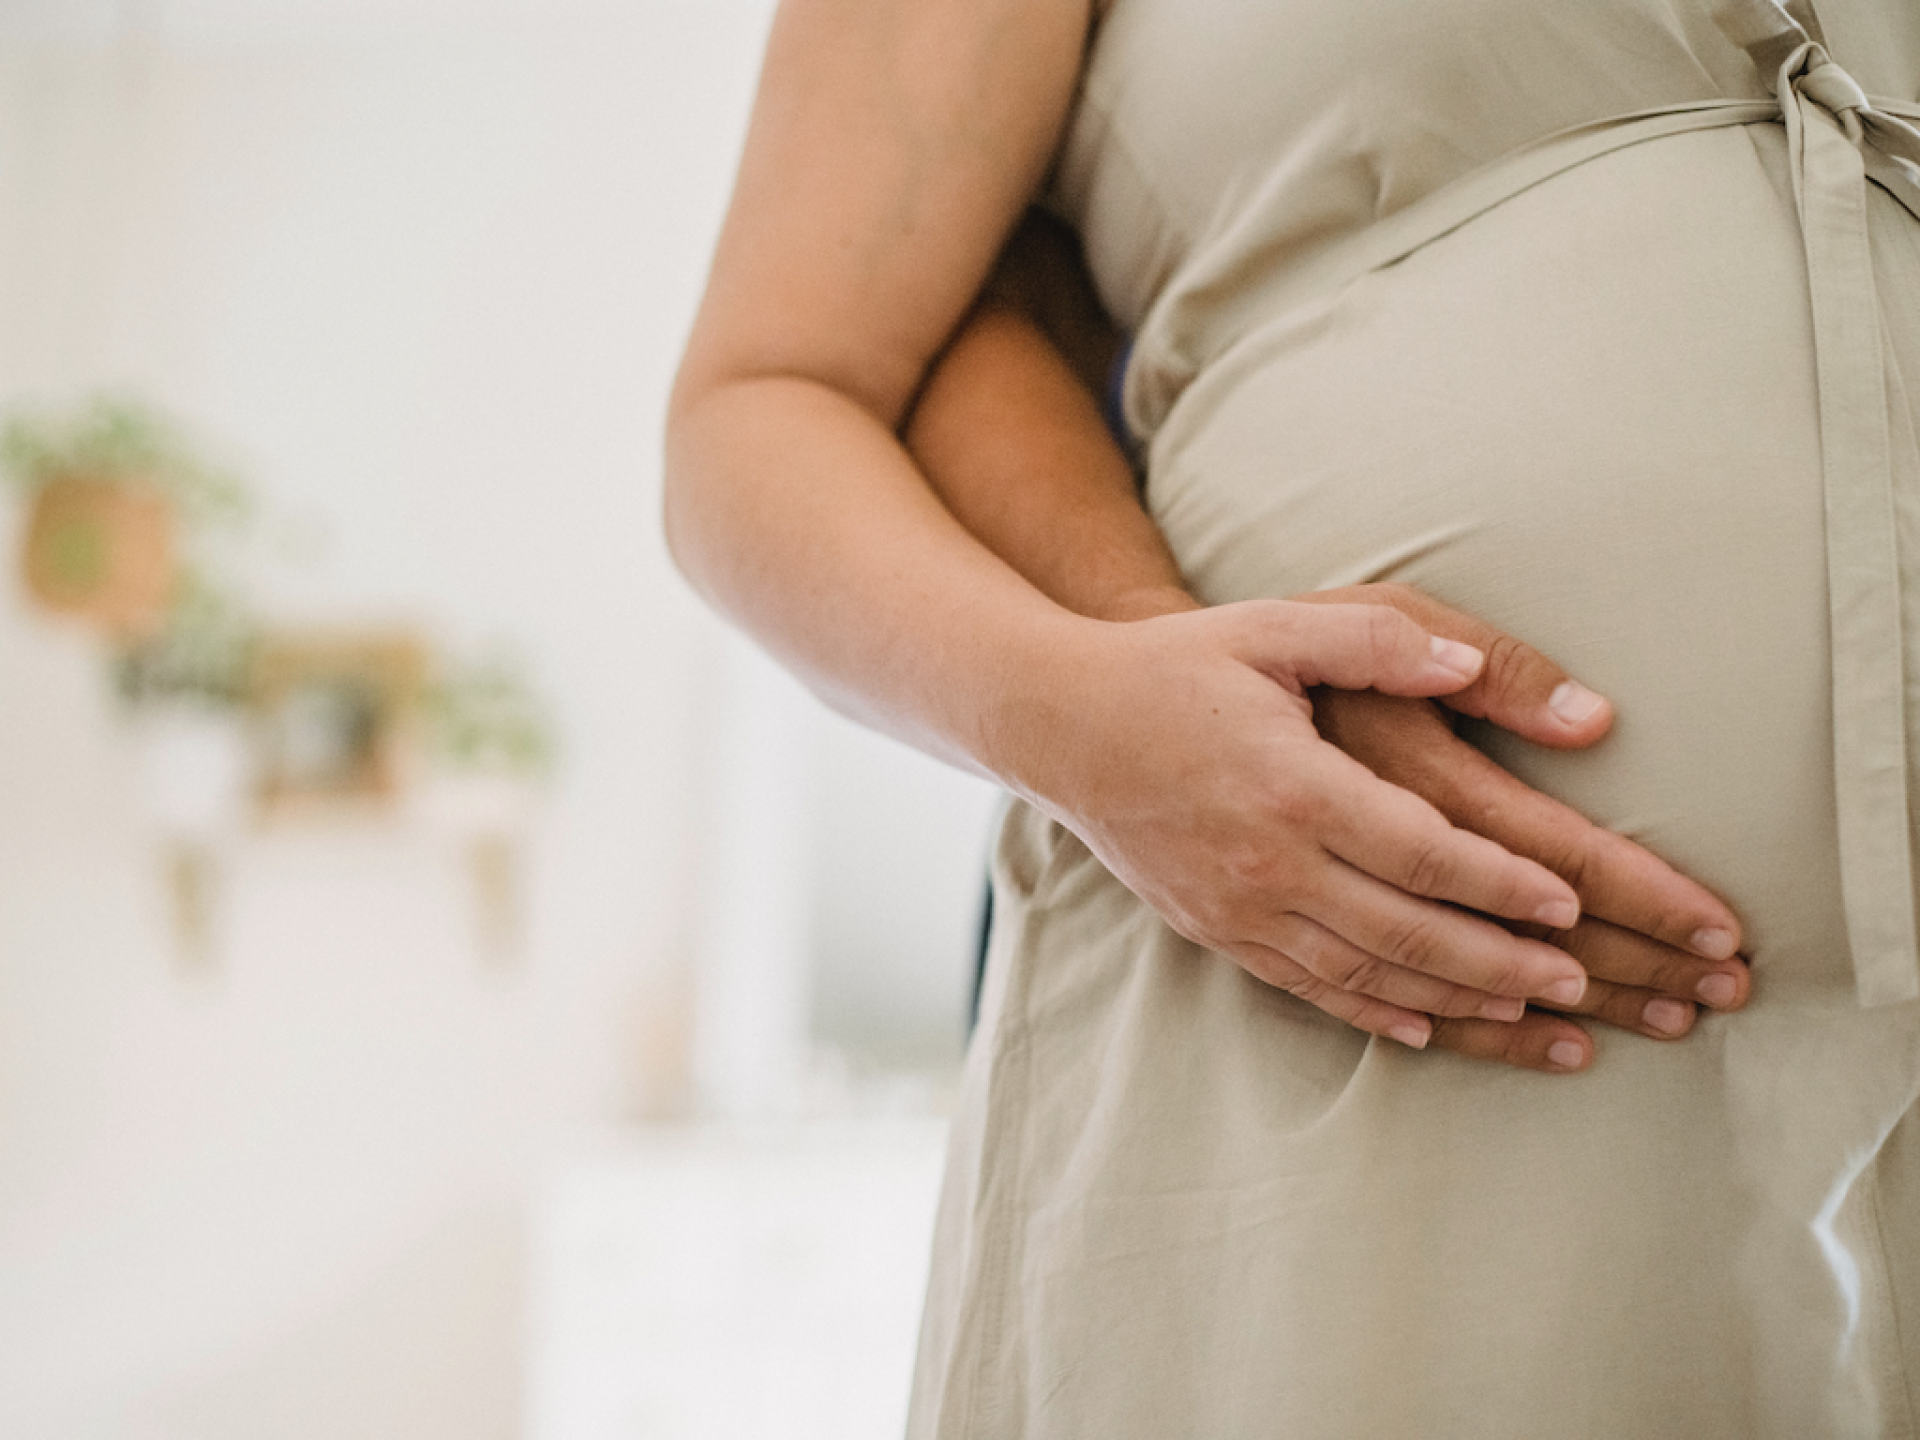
x,y
1182,750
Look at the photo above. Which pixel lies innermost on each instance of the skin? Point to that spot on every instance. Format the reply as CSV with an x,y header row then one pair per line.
x,y
1009,434
893,145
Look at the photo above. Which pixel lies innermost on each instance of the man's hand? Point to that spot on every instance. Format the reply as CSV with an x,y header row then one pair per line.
x,y
1655,944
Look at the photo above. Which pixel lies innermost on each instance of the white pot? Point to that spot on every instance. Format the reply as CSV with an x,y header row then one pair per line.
x,y
196,770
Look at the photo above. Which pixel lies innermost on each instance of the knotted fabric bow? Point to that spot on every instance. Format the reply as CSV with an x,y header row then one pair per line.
x,y
1837,140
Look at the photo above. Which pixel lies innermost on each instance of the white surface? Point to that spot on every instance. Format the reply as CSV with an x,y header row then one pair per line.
x,y
897,854
751,1014
734,1286
425,281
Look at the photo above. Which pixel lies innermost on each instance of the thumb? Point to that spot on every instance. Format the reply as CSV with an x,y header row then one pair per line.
x,y
1518,688
1523,691
1354,647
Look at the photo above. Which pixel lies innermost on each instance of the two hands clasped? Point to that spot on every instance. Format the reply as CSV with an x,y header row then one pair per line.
x,y
1276,779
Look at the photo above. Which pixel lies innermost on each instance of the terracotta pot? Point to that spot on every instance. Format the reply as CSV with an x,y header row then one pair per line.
x,y
102,551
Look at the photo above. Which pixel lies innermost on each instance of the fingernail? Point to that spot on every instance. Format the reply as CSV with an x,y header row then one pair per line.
x,y
1573,702
1502,1007
1558,914
1712,944
1719,991
1667,1017
1463,660
1565,992
1414,1037
1565,1055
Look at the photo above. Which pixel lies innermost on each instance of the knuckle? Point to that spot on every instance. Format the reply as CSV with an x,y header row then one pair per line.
x,y
1401,597
1270,967
1305,809
1430,868
1575,858
1412,943
1508,661
1357,973
1309,988
1527,1051
1241,863
1384,628
1507,976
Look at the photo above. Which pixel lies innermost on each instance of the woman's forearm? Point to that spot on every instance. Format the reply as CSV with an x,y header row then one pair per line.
x,y
892,147
804,520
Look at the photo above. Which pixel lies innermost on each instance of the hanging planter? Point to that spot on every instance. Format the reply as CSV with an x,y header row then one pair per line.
x,y
102,551
108,487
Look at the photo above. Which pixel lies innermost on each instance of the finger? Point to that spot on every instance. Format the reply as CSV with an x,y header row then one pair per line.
x,y
1616,880
1407,743
1628,1007
1536,1041
1345,966
1363,1012
1629,960
1418,934
1355,647
1518,689
1397,837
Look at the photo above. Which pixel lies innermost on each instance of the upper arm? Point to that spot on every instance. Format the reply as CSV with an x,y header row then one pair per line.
x,y
892,146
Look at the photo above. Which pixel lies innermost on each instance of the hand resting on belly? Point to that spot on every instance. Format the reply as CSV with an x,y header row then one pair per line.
x,y
1012,439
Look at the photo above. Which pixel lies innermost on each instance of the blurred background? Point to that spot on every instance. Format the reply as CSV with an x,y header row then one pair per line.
x,y
449,987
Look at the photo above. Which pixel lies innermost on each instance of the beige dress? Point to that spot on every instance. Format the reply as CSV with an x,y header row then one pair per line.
x,y
1600,319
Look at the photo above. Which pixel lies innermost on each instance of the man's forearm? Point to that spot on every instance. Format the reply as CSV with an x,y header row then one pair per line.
x,y
1009,433
1016,448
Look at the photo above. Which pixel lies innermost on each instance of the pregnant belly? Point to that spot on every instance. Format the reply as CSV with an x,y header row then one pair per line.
x,y
1589,416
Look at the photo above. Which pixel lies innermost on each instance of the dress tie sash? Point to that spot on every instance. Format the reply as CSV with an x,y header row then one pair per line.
x,y
1831,130
1839,140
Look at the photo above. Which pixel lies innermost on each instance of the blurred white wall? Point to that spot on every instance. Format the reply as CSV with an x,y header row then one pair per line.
x,y
425,267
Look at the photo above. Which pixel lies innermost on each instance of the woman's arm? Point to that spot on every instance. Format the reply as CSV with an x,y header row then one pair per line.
x,y
893,145
1010,436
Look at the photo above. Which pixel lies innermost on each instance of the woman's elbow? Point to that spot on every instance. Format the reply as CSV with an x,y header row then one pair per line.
x,y
684,499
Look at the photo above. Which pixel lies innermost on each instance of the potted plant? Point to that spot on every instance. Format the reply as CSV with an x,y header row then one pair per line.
x,y
109,485
184,688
